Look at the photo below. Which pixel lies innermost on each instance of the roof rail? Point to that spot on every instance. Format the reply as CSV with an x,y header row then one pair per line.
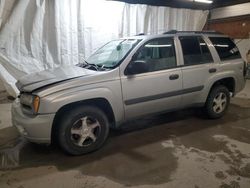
x,y
140,34
195,32
208,32
171,32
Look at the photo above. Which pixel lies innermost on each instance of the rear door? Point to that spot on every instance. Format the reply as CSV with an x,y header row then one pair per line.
x,y
198,67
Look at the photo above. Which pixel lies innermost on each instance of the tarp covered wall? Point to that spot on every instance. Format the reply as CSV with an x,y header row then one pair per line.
x,y
42,34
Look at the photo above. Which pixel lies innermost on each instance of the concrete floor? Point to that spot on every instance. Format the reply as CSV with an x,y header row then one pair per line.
x,y
178,149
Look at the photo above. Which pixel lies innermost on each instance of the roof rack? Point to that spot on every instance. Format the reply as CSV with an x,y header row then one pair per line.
x,y
140,34
195,32
170,32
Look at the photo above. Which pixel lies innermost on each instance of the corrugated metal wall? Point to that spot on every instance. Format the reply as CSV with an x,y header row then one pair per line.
x,y
230,11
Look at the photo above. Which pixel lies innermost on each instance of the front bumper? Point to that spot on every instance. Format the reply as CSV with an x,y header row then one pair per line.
x,y
36,128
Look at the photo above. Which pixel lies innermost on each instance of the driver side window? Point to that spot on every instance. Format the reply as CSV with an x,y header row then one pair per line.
x,y
157,54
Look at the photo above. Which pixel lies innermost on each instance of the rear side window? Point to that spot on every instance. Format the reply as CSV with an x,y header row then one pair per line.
x,y
195,50
225,47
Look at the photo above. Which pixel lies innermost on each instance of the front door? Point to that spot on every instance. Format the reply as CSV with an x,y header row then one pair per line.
x,y
157,86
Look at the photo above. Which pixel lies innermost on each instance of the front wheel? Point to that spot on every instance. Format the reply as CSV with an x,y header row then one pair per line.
x,y
82,130
217,102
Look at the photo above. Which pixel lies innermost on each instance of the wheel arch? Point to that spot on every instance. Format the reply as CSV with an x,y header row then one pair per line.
x,y
228,82
101,103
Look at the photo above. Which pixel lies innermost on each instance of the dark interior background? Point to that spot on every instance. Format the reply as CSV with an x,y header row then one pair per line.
x,y
186,3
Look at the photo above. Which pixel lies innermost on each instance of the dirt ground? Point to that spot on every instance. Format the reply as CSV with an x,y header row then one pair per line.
x,y
179,149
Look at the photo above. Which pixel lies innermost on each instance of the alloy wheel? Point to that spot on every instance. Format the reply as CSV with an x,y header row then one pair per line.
x,y
219,102
85,131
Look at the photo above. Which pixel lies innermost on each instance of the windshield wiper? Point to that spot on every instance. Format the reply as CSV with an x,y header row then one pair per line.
x,y
92,66
102,67
87,65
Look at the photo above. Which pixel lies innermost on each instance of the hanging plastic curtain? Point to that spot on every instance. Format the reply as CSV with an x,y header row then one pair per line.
x,y
42,34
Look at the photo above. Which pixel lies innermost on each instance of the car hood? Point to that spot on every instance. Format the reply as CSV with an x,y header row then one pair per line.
x,y
38,80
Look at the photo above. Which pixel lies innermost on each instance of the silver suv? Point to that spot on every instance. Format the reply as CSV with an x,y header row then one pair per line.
x,y
126,79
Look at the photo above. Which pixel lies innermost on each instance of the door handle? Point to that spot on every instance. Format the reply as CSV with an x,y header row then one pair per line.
x,y
212,70
173,77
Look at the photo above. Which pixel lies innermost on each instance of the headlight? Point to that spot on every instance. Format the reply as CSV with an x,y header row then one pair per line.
x,y
30,101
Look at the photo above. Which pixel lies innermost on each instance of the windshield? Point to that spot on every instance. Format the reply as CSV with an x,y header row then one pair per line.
x,y
112,53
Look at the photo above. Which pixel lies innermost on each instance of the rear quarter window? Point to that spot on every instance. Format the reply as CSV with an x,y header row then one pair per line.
x,y
225,48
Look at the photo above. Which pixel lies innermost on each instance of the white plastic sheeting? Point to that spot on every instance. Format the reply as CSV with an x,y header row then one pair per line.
x,y
154,20
42,34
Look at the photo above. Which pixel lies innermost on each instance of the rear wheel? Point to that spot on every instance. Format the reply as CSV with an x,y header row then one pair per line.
x,y
217,102
82,130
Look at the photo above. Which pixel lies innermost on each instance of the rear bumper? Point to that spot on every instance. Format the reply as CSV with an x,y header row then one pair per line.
x,y
35,128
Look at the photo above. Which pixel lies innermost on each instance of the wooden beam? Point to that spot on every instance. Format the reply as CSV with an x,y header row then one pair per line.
x,y
237,27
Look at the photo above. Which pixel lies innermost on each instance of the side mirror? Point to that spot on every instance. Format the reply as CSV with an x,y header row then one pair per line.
x,y
136,67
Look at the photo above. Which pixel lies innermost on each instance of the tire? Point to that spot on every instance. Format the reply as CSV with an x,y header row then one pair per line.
x,y
217,102
82,130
